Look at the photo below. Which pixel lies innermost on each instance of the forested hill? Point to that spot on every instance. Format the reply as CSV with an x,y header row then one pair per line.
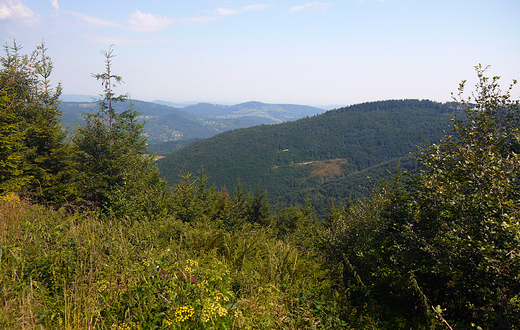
x,y
166,124
292,159
163,123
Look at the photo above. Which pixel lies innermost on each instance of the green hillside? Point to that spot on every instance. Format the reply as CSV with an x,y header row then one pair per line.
x,y
163,123
166,123
292,159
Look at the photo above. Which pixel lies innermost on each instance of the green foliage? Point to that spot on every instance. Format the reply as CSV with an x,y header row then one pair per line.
x,y
11,147
113,172
90,270
34,159
446,237
467,200
191,200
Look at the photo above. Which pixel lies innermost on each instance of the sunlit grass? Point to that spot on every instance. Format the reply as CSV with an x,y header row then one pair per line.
x,y
88,271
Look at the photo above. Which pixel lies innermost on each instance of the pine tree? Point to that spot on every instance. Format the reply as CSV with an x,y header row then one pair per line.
x,y
36,159
115,175
11,146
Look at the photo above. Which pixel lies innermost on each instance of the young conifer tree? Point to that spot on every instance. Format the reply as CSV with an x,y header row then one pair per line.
x,y
12,137
115,175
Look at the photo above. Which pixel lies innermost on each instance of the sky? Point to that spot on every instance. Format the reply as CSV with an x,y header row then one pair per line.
x,y
335,52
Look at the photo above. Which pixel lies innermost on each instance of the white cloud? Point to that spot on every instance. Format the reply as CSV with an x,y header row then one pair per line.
x,y
15,10
315,6
92,20
227,12
143,22
55,5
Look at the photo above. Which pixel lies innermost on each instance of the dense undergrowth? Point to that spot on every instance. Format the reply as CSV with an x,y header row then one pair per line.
x,y
90,271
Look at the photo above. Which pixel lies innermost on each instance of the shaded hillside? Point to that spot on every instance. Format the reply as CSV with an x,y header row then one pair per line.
x,y
168,147
290,158
163,123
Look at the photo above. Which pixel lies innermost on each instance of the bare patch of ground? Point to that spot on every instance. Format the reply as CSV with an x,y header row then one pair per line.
x,y
327,169
324,169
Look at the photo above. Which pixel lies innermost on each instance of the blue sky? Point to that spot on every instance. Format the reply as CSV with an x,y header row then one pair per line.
x,y
334,52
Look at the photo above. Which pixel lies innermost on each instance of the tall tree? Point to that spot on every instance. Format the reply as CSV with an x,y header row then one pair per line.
x,y
114,172
468,201
36,159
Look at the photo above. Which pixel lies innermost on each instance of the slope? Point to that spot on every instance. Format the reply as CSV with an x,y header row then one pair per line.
x,y
303,156
165,123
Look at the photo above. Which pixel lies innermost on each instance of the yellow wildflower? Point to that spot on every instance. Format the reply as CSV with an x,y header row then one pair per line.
x,y
10,197
184,313
125,326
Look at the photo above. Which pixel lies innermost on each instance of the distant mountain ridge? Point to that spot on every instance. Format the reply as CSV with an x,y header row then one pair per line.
x,y
166,123
77,98
275,112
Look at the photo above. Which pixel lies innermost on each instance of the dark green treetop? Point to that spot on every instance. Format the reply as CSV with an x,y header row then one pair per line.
x,y
35,158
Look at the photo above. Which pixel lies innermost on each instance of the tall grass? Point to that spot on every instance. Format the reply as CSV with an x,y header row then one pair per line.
x,y
90,271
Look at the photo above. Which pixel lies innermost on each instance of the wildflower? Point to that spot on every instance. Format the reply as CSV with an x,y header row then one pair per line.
x,y
10,197
125,326
103,286
184,313
190,264
238,313
163,274
211,310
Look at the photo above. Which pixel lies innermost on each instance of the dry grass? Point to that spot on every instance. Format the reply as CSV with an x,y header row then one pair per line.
x,y
328,169
11,213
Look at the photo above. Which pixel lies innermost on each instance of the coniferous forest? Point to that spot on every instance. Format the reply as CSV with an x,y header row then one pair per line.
x,y
93,237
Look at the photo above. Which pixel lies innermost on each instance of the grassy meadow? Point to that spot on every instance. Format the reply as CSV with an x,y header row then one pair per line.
x,y
92,271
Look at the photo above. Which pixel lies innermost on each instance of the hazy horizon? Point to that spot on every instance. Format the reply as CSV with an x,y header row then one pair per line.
x,y
294,52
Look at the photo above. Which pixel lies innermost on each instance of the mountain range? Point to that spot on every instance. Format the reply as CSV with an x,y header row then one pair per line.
x,y
198,121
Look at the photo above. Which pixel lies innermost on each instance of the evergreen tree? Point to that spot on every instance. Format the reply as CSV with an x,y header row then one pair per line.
x,y
36,159
11,145
114,172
